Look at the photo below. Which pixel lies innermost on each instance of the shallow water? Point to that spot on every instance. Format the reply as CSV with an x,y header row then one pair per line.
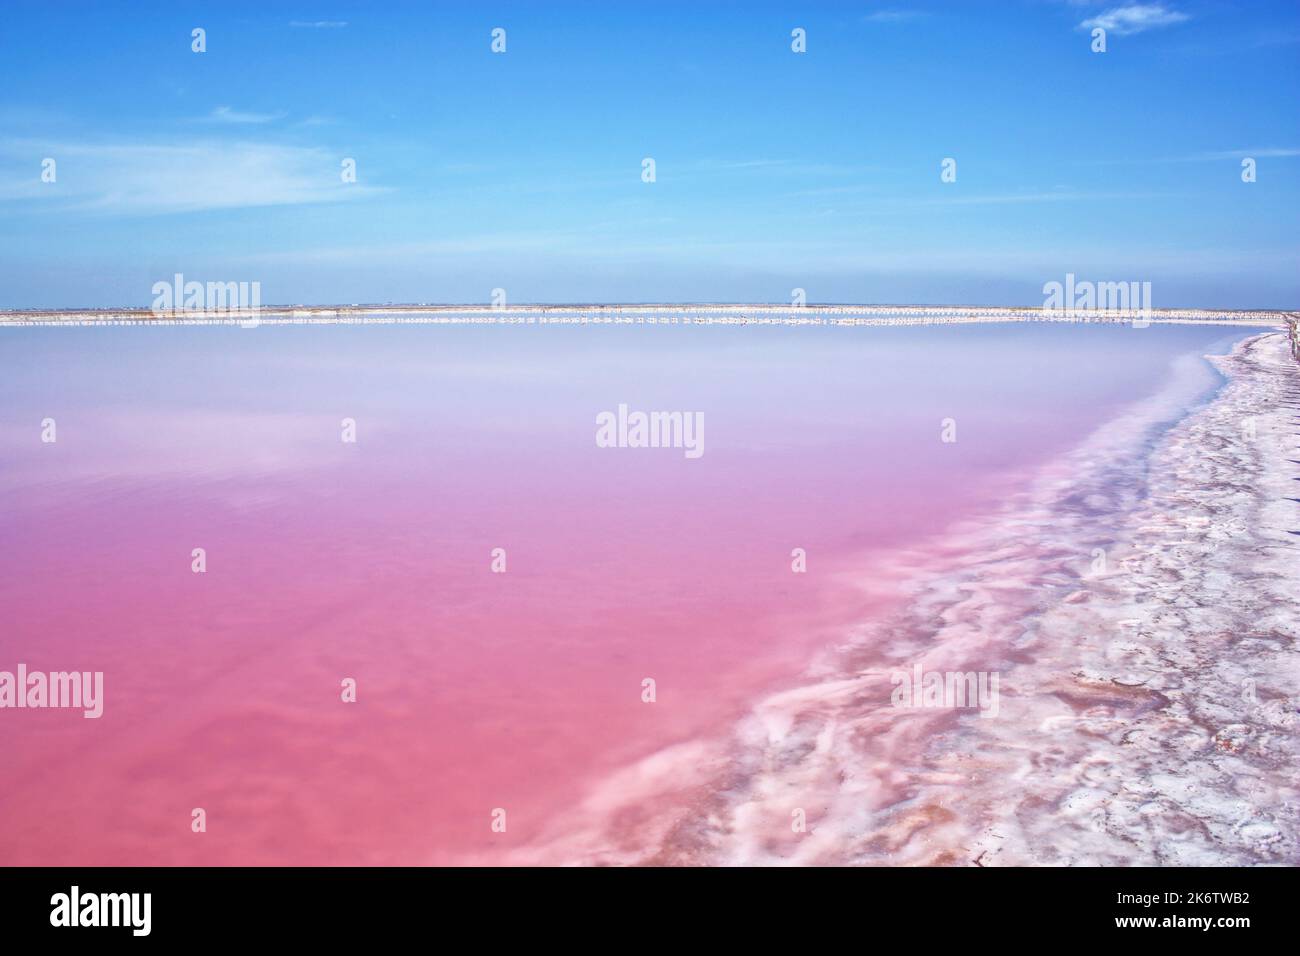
x,y
372,560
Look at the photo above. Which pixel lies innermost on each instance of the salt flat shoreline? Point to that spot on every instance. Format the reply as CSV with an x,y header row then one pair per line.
x,y
1149,704
651,314
1179,667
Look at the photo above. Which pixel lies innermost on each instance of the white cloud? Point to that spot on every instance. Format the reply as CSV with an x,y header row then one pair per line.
x,y
177,177
574,252
1270,152
224,114
1034,197
318,24
893,16
1134,18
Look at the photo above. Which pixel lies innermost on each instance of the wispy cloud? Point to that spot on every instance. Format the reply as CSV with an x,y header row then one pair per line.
x,y
177,177
893,16
741,163
1214,156
784,168
566,249
1036,197
318,24
1270,152
224,114
1134,18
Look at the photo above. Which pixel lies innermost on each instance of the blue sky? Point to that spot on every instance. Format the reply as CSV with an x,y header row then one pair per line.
x,y
775,170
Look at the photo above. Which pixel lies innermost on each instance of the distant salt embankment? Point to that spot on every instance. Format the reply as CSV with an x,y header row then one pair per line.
x,y
662,314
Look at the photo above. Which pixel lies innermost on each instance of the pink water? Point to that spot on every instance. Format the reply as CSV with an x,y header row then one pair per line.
x,y
476,690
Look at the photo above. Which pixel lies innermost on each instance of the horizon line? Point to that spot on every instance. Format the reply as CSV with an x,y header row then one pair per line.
x,y
645,306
